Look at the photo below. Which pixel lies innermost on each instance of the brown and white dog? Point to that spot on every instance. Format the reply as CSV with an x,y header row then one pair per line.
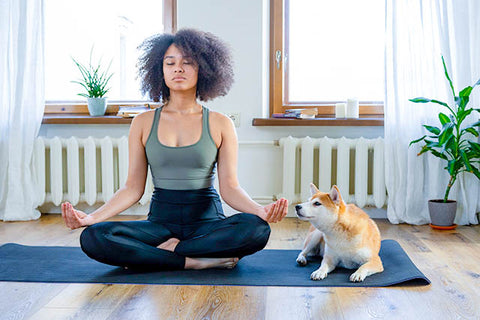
x,y
343,234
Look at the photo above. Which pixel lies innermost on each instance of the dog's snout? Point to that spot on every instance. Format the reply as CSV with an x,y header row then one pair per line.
x,y
298,207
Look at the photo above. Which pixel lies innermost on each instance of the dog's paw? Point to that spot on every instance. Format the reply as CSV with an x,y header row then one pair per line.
x,y
358,276
302,260
318,275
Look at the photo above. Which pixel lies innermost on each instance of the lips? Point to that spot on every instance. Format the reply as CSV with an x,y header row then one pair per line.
x,y
179,78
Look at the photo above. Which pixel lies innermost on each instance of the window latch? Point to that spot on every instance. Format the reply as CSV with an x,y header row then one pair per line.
x,y
278,57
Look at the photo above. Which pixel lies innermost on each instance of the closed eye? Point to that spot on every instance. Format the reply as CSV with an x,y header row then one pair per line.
x,y
316,203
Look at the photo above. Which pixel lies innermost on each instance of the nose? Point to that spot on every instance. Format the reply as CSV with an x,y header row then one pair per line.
x,y
178,68
298,207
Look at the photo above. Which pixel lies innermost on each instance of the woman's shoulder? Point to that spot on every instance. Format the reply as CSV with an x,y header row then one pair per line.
x,y
219,119
144,118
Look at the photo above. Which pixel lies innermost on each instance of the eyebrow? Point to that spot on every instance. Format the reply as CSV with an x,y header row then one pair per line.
x,y
172,57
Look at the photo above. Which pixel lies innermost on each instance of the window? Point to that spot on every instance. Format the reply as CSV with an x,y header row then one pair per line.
x,y
324,51
109,29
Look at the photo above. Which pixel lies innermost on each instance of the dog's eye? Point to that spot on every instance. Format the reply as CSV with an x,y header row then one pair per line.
x,y
316,203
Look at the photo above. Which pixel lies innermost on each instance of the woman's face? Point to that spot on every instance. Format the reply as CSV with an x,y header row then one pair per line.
x,y
180,72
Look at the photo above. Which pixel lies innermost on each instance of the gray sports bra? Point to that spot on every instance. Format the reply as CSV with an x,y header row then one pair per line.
x,y
182,168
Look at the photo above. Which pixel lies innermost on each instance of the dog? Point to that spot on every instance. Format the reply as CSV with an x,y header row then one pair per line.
x,y
344,235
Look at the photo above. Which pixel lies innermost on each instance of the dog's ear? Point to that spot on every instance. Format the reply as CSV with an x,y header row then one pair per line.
x,y
313,189
335,195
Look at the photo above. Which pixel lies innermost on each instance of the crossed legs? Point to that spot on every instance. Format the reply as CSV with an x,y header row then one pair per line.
x,y
150,245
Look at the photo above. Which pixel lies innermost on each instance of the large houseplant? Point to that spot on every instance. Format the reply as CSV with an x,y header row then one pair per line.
x,y
452,142
95,82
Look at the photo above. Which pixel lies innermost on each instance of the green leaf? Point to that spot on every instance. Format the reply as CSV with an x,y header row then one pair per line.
x,y
431,129
475,146
464,98
418,140
466,92
450,146
466,161
431,144
451,167
443,118
472,131
425,100
475,171
448,77
462,114
420,100
445,134
424,149
438,154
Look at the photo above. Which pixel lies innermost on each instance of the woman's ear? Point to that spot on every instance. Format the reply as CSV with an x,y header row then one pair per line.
x,y
335,195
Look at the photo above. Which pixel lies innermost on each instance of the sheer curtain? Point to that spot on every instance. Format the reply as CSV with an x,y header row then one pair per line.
x,y
418,33
21,105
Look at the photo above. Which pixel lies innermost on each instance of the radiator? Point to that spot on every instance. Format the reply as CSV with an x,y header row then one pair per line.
x,y
91,170
358,169
82,170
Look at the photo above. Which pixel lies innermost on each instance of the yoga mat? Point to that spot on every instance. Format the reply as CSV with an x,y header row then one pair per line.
x,y
265,268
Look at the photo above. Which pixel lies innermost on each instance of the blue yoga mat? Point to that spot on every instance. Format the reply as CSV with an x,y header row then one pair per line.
x,y
265,268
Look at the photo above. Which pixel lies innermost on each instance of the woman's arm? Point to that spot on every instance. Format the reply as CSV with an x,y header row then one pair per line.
x,y
230,189
126,196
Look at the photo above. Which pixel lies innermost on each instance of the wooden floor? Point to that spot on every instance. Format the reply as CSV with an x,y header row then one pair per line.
x,y
450,259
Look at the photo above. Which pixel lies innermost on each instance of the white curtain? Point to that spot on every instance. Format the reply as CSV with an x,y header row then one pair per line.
x,y
21,104
418,33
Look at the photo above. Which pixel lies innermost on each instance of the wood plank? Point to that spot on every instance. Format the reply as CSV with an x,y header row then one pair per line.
x,y
450,259
57,118
368,120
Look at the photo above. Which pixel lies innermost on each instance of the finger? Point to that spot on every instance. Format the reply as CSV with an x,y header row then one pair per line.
x,y
285,208
271,210
75,218
71,216
67,215
270,213
278,210
282,212
63,211
78,217
64,215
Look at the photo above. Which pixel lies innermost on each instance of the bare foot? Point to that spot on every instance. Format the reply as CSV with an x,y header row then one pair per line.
x,y
169,245
205,263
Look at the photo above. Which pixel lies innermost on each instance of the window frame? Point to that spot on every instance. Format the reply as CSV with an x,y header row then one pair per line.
x,y
66,111
278,78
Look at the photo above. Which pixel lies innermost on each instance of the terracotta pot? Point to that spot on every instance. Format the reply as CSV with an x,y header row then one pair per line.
x,y
442,213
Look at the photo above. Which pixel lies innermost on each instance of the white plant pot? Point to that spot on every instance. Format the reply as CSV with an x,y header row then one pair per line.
x,y
97,106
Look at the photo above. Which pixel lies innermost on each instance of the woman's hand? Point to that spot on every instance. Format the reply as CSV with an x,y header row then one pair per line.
x,y
275,211
75,218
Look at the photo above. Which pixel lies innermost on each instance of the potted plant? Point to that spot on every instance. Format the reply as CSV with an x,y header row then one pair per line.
x,y
95,83
451,142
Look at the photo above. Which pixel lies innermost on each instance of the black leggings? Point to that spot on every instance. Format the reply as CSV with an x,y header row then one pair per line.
x,y
195,217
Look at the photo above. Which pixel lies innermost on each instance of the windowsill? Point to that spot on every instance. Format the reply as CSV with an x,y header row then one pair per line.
x,y
66,118
364,120
77,113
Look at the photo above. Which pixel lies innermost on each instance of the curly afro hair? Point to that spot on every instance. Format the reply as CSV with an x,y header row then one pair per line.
x,y
215,69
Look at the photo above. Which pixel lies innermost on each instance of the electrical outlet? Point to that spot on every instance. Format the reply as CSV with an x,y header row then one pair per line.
x,y
235,118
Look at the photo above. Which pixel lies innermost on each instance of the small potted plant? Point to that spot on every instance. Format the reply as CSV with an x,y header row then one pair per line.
x,y
451,143
94,81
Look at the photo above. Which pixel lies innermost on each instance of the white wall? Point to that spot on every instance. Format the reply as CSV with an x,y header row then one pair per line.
x,y
243,24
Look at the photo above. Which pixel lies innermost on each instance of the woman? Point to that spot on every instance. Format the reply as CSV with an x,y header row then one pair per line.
x,y
182,142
